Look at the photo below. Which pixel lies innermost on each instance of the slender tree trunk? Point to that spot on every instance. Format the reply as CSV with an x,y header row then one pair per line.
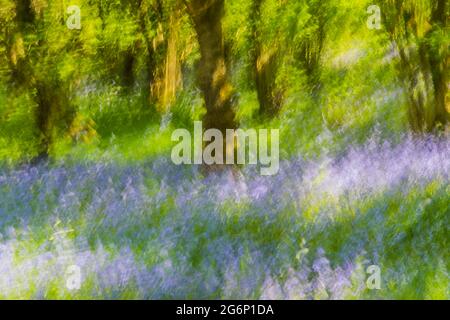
x,y
24,12
167,78
127,74
423,64
414,91
264,64
310,51
439,68
54,111
172,69
164,58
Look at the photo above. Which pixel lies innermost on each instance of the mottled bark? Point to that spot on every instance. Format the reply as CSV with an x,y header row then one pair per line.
x,y
212,72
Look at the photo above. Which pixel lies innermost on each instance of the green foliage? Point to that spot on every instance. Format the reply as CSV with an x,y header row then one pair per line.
x,y
332,73
98,96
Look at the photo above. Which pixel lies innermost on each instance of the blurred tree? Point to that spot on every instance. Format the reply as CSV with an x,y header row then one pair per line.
x,y
308,51
120,36
34,67
265,64
287,35
419,29
305,34
167,77
213,77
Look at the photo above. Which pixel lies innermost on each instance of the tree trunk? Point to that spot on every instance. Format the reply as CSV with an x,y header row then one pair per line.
x,y
423,62
127,72
310,51
212,73
439,68
167,78
54,112
264,68
172,68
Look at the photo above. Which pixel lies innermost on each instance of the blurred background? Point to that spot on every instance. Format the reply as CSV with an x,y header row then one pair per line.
x,y
125,73
90,92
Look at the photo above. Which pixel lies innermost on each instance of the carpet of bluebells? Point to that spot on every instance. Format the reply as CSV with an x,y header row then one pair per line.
x,y
154,230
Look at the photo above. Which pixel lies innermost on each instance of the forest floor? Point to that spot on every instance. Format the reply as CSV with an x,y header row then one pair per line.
x,y
155,230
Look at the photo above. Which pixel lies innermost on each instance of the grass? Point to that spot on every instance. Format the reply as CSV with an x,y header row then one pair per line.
x,y
149,229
